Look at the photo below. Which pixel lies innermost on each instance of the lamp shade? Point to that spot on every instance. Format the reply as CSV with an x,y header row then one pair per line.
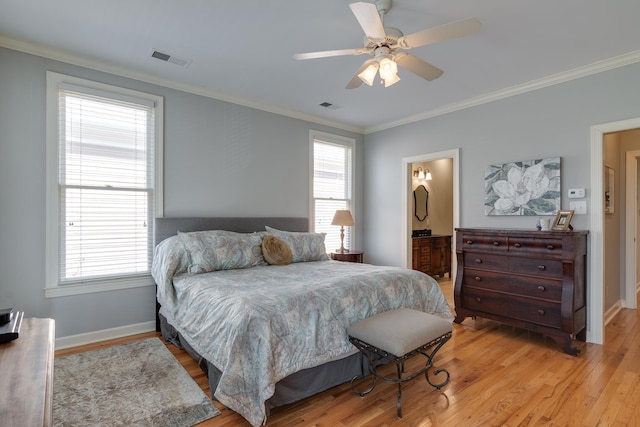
x,y
369,73
342,217
388,68
391,80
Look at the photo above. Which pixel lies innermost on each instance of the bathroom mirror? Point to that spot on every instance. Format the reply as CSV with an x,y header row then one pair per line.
x,y
421,201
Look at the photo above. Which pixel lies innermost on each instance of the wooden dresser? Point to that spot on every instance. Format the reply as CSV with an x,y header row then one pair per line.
x,y
26,375
529,279
432,255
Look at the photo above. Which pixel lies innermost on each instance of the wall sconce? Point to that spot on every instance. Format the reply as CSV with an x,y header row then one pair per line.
x,y
420,174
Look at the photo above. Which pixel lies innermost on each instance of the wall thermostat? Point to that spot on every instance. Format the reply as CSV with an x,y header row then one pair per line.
x,y
576,193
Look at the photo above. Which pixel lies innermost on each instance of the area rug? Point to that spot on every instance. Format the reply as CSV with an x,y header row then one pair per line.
x,y
136,384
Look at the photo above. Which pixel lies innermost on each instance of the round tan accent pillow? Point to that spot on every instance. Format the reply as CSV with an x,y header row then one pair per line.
x,y
276,251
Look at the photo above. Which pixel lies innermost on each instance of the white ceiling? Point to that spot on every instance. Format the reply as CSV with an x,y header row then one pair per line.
x,y
241,50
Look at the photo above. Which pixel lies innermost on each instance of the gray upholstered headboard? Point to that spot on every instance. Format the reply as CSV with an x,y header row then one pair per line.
x,y
167,227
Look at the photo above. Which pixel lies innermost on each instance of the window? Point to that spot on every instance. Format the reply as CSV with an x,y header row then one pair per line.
x,y
332,186
103,148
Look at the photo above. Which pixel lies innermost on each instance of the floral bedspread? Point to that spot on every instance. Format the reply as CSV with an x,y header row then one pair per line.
x,y
260,324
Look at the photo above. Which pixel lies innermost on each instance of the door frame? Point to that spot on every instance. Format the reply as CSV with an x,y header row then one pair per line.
x,y
595,290
407,175
631,229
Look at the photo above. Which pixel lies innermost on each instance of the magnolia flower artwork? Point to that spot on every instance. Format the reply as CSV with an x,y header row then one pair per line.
x,y
523,188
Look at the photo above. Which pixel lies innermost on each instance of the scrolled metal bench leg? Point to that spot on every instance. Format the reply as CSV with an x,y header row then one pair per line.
x,y
362,393
430,357
372,371
437,386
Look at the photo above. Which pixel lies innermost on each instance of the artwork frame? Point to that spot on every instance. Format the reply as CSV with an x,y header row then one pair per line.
x,y
562,222
609,190
526,188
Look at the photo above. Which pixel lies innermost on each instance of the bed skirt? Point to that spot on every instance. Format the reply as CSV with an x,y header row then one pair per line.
x,y
296,386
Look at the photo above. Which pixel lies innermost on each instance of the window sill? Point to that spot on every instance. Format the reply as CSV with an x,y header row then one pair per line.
x,y
97,286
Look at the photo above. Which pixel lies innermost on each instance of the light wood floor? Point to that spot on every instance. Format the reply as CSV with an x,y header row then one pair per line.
x,y
500,376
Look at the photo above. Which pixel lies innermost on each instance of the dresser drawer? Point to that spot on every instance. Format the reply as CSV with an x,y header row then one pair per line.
x,y
425,250
513,284
534,246
486,261
531,310
483,242
536,266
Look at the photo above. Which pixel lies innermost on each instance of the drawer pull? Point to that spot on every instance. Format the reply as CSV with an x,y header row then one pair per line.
x,y
496,243
541,288
550,247
542,267
469,242
478,279
478,299
478,261
517,245
541,312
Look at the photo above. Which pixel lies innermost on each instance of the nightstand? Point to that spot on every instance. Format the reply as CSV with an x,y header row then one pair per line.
x,y
351,256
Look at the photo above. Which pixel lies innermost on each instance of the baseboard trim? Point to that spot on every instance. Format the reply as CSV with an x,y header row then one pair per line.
x,y
105,334
610,314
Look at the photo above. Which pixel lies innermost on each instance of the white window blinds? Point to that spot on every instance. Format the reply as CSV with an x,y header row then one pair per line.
x,y
106,184
332,189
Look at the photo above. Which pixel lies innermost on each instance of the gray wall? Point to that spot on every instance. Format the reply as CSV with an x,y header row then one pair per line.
x,y
228,160
221,159
553,121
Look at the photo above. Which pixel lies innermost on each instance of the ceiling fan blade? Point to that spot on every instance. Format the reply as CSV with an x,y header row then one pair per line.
x,y
369,19
440,33
356,82
329,53
417,66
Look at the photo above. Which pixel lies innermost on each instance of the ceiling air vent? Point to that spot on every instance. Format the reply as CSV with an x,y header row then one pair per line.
x,y
328,105
170,58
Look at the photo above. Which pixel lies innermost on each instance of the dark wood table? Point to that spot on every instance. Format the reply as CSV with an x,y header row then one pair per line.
x,y
351,256
26,375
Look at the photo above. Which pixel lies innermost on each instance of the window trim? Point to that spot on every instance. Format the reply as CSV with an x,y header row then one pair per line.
x,y
338,140
52,287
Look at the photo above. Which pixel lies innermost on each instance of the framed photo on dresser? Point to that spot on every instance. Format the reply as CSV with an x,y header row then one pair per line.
x,y
563,221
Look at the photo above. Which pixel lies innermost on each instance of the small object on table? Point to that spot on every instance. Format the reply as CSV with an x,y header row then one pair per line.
x,y
9,331
351,256
6,314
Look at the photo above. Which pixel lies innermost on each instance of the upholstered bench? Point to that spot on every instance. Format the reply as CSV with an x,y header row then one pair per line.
x,y
395,336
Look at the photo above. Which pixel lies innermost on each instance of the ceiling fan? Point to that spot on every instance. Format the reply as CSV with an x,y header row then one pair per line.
x,y
385,43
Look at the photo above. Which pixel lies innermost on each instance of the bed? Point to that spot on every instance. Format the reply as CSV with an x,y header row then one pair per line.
x,y
268,335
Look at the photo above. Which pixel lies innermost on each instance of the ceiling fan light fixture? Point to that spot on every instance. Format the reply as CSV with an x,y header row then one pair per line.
x,y
391,80
389,71
388,68
369,73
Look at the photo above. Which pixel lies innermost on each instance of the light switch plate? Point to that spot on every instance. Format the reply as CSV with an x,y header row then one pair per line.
x,y
578,207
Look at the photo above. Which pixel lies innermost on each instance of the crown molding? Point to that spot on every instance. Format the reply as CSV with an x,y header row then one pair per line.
x,y
565,76
82,61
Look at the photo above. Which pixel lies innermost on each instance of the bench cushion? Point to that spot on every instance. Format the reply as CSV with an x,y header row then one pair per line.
x,y
400,331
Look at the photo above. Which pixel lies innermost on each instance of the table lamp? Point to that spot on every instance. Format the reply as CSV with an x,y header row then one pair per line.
x,y
342,218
